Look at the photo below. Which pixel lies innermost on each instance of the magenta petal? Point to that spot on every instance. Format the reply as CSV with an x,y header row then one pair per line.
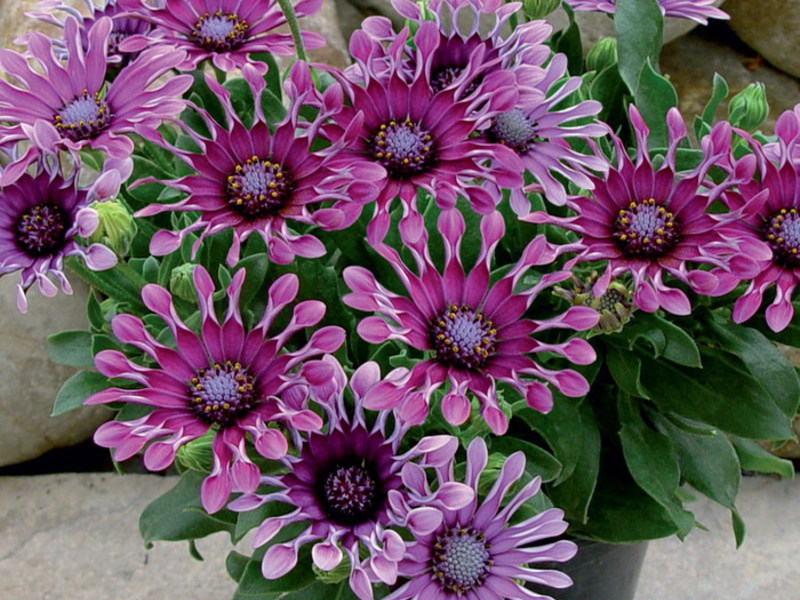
x,y
424,521
456,408
326,556
454,495
278,561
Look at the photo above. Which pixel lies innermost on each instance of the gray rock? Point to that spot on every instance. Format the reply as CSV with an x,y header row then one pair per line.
x,y
691,62
708,565
75,537
30,380
772,27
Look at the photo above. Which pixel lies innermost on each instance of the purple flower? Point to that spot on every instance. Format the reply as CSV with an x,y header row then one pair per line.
x,y
225,31
474,331
650,221
41,218
539,133
765,218
468,58
422,139
339,484
475,552
227,379
123,28
696,10
251,179
73,107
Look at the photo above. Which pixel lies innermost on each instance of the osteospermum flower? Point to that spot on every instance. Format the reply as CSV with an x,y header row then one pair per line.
x,y
696,10
474,332
765,218
650,222
421,138
224,31
254,180
73,107
226,379
41,218
339,484
469,57
539,132
123,27
476,552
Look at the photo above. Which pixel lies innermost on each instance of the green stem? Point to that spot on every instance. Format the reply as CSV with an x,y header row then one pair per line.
x,y
291,18
120,283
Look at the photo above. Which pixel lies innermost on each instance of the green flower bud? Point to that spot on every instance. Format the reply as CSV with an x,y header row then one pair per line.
x,y
181,283
539,9
749,108
117,227
197,455
615,305
336,575
602,55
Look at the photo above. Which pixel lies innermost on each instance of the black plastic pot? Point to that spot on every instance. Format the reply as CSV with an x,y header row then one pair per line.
x,y
600,572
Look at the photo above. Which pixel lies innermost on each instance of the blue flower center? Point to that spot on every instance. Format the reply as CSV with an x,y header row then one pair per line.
x,y
404,149
645,229
220,32
460,560
222,393
258,188
513,129
782,232
83,118
350,492
41,230
463,338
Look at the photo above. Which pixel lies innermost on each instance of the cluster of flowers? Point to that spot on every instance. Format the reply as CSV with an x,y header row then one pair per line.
x,y
459,115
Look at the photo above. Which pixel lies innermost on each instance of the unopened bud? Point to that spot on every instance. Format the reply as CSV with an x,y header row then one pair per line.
x,y
539,9
181,283
116,228
602,55
749,108
615,305
197,454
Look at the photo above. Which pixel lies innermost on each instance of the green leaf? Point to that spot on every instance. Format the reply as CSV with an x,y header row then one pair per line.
x,y
654,97
665,339
179,515
235,564
719,92
625,367
538,461
639,28
71,348
608,88
708,462
649,456
78,388
755,458
568,42
253,585
575,494
720,394
768,365
256,266
621,512
95,312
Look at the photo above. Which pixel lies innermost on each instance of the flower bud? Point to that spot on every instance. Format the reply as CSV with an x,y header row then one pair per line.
x,y
197,455
116,228
539,9
181,283
602,55
615,305
749,108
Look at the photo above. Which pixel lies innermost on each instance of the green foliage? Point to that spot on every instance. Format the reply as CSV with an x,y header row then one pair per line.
x,y
78,388
179,515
